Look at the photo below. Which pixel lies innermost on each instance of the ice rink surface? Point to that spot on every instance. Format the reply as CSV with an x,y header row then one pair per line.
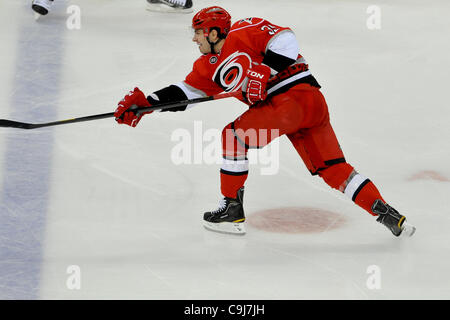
x,y
109,204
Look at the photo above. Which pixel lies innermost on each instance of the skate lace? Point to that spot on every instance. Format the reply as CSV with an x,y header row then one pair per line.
x,y
222,205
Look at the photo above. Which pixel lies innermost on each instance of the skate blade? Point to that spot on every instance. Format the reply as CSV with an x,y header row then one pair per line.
x,y
156,7
226,227
408,230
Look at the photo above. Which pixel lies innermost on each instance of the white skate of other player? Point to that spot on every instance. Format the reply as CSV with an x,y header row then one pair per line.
x,y
175,6
41,7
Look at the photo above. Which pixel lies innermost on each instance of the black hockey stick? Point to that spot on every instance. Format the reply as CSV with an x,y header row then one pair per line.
x,y
23,125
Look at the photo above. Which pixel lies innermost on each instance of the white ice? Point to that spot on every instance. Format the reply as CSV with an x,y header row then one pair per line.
x,y
131,219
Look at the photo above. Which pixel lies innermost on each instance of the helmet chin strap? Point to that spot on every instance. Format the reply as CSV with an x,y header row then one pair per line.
x,y
212,44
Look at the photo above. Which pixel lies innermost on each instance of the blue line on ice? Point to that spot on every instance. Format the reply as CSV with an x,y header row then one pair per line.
x,y
28,154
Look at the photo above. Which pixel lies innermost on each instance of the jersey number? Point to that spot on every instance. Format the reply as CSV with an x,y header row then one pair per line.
x,y
271,29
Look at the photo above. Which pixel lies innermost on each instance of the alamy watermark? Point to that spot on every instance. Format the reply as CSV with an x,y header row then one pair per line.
x,y
73,281
373,22
374,280
205,146
73,22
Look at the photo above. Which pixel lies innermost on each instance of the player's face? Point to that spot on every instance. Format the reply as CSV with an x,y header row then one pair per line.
x,y
200,39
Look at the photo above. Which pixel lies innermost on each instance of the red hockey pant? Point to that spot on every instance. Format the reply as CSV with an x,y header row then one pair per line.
x,y
302,115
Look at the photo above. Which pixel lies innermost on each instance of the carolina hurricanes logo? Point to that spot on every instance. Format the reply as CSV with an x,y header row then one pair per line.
x,y
231,72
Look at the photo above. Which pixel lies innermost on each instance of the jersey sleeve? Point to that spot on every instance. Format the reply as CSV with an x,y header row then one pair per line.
x,y
282,51
171,93
199,81
196,85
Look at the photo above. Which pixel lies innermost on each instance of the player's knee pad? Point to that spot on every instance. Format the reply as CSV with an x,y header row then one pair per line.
x,y
337,175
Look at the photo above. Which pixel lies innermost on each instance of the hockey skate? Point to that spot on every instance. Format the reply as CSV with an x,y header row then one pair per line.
x,y
229,217
174,6
41,7
393,220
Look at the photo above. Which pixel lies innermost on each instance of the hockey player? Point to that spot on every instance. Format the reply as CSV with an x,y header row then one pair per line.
x,y
41,7
175,6
262,60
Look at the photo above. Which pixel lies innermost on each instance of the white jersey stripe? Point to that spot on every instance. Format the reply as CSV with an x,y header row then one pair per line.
x,y
284,43
289,80
190,92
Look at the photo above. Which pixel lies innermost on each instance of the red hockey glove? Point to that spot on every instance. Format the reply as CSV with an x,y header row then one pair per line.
x,y
254,86
125,115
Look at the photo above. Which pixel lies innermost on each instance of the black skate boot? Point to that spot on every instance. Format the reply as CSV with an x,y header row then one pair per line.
x,y
393,220
229,217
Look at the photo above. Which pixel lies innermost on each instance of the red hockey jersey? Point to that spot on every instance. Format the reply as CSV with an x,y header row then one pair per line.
x,y
246,44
